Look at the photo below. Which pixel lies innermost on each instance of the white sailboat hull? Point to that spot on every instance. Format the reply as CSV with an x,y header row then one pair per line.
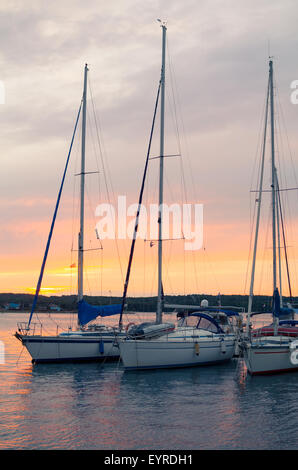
x,y
170,351
70,349
269,356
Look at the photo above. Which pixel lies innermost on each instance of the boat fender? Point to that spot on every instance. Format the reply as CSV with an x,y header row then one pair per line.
x,y
197,348
294,352
101,347
223,346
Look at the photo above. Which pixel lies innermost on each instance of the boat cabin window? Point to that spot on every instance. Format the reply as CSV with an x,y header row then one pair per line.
x,y
199,322
206,324
190,321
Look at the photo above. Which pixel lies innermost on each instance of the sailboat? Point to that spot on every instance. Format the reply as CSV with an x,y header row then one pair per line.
x,y
273,348
198,339
95,342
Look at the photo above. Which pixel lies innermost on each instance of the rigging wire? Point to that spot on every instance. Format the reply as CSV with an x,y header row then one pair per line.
x,y
53,221
105,172
283,199
293,173
284,241
136,226
74,218
176,127
264,251
184,196
253,213
90,205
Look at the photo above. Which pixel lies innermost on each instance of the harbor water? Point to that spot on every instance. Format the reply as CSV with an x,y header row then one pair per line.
x,y
100,406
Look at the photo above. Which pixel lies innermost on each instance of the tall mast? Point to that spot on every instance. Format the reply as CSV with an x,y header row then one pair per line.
x,y
259,200
82,191
161,165
273,186
273,179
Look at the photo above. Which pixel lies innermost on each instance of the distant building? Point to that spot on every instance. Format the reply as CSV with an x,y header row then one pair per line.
x,y
12,306
55,308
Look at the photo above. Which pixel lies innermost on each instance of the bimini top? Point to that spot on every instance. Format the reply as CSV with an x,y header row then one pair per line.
x,y
206,322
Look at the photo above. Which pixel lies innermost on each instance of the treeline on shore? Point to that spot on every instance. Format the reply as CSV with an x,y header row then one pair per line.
x,y
67,303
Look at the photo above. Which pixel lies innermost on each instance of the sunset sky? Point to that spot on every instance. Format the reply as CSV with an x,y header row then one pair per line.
x,y
217,72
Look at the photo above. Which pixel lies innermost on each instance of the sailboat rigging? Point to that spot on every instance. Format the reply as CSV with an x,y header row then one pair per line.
x,y
138,214
198,339
272,348
81,344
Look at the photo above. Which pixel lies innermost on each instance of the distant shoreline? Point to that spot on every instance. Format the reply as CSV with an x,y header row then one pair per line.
x,y
10,302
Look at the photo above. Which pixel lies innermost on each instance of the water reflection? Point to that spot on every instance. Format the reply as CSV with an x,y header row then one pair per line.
x,y
96,406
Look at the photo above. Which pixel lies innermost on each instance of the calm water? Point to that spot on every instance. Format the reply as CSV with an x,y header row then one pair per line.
x,y
90,406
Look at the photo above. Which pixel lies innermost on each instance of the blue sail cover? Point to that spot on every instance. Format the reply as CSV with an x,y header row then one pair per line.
x,y
279,311
87,312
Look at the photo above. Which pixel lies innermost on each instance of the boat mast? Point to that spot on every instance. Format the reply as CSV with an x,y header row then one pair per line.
x,y
161,165
82,192
273,186
259,200
273,182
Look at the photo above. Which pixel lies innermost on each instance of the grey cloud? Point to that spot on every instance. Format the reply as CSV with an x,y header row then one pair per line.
x,y
219,56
